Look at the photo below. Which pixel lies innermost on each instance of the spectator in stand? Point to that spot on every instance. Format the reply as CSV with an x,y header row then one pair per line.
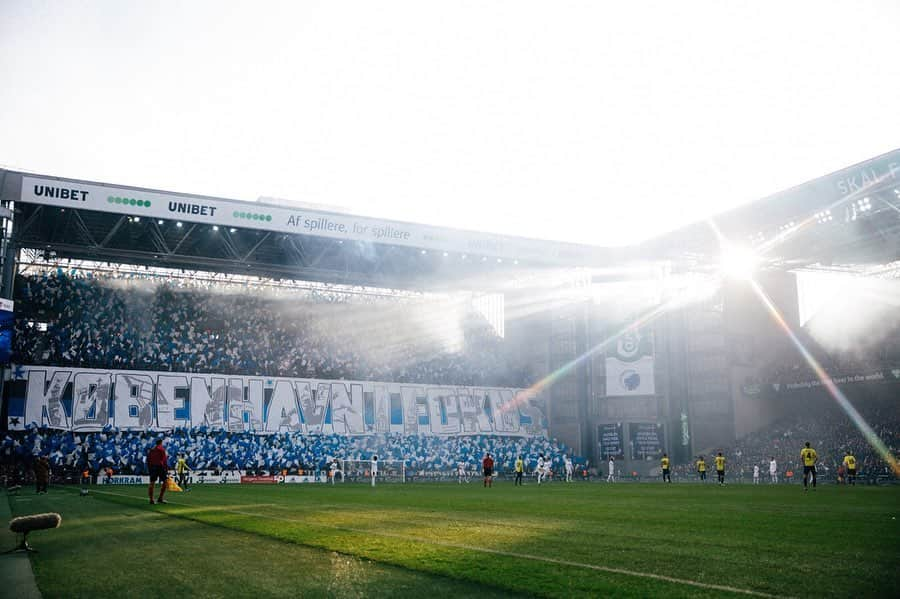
x,y
220,450
109,322
41,474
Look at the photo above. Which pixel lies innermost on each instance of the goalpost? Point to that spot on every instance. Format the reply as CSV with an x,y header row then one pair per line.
x,y
389,471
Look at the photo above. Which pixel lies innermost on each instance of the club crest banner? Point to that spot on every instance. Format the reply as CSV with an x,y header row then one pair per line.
x,y
629,368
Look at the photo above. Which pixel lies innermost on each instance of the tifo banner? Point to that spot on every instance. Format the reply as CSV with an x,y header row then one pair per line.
x,y
88,400
143,203
610,440
629,369
647,440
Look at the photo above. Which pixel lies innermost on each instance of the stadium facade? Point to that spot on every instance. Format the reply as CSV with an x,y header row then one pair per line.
x,y
611,373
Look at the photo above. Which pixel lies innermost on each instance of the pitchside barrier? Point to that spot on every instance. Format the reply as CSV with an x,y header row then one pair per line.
x,y
210,477
389,471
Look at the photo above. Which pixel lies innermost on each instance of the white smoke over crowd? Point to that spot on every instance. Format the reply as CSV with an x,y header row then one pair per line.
x,y
849,314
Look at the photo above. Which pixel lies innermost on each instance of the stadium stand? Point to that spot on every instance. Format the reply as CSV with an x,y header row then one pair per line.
x,y
81,319
786,366
830,432
125,451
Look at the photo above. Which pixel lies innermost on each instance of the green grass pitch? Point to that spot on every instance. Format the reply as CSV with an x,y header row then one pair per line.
x,y
449,540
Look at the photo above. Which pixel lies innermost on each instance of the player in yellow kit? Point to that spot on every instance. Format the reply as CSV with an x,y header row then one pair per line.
x,y
701,468
664,463
809,457
850,465
520,469
182,469
720,468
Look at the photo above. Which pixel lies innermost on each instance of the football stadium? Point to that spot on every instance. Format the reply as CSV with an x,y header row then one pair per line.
x,y
205,396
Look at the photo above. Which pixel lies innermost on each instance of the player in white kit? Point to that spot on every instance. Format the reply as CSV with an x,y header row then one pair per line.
x,y
773,470
374,468
335,470
756,474
612,471
461,473
540,470
570,469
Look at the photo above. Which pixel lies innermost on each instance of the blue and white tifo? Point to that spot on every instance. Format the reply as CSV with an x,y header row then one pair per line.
x,y
89,399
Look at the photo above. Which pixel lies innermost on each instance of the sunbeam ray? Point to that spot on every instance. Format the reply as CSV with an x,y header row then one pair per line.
x,y
870,435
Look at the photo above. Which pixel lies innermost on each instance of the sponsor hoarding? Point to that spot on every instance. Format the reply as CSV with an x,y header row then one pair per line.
x,y
143,203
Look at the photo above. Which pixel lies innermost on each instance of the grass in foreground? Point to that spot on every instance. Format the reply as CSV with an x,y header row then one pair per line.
x,y
105,549
557,540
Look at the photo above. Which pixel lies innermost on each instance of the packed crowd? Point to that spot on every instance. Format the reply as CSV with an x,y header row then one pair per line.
x,y
72,319
830,432
125,452
787,366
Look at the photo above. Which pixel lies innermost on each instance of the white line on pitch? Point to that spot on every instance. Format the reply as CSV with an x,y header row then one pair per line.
x,y
539,558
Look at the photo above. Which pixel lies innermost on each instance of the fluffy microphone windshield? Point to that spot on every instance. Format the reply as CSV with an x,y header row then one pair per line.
x,y
24,524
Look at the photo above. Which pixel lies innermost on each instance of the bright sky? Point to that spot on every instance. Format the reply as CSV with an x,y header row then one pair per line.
x,y
596,122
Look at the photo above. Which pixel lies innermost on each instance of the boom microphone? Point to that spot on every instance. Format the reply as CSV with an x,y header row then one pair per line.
x,y
25,524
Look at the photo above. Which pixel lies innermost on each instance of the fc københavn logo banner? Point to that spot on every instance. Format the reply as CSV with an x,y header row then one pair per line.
x,y
629,368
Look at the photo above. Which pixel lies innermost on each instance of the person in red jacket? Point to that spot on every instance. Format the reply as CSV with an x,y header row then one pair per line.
x,y
159,470
487,466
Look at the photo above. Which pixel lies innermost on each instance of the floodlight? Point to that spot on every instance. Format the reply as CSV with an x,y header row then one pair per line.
x,y
738,262
215,227
178,224
159,222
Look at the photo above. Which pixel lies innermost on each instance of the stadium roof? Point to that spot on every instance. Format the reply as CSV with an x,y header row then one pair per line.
x,y
97,221
849,220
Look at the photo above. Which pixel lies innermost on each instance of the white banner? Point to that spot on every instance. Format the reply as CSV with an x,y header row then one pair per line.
x,y
123,479
629,378
209,477
629,369
143,203
297,479
80,399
